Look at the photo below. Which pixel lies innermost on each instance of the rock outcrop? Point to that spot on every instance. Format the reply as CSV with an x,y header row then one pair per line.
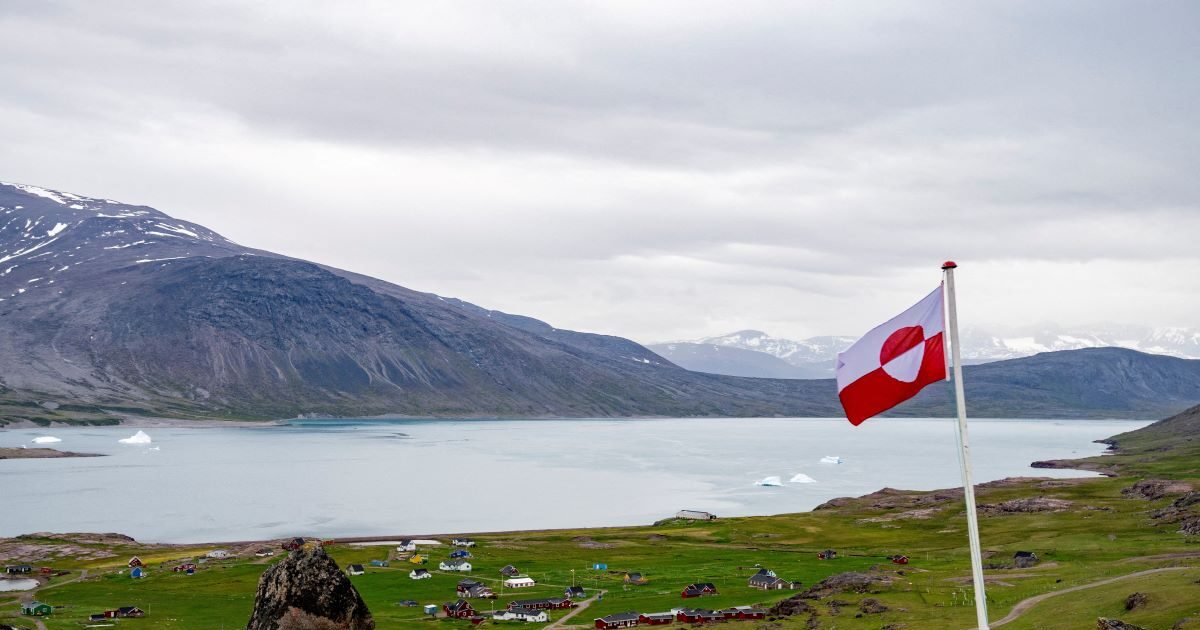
x,y
1025,506
1156,488
308,590
1115,624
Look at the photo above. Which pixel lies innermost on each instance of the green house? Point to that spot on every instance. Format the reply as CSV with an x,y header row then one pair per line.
x,y
37,609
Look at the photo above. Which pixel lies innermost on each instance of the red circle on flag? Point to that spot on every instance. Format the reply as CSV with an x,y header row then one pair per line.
x,y
899,342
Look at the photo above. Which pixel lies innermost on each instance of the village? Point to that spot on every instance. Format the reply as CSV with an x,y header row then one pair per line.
x,y
692,568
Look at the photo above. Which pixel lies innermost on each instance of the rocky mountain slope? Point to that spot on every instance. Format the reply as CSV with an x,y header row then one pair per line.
x,y
109,307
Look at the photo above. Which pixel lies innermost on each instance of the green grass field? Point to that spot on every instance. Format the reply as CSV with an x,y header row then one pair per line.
x,y
1102,535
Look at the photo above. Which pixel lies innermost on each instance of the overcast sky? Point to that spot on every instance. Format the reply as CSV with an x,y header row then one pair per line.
x,y
656,170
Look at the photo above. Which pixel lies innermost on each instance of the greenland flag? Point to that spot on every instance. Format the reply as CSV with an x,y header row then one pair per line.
x,y
894,361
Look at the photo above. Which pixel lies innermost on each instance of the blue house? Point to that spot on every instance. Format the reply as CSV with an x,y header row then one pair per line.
x,y
136,573
600,566
379,563
460,553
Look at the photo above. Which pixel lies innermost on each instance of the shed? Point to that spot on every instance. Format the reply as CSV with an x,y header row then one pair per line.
x,y
828,554
695,515
19,568
600,566
379,563
431,609
635,578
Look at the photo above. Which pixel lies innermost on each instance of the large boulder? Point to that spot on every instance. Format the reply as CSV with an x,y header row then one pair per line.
x,y
307,589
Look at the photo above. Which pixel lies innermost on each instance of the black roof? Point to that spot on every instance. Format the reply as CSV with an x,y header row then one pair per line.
x,y
459,605
625,616
575,589
356,567
1024,554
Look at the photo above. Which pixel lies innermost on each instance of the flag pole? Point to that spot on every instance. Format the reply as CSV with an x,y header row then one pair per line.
x,y
964,452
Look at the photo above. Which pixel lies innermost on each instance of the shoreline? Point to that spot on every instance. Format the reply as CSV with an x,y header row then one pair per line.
x,y
41,453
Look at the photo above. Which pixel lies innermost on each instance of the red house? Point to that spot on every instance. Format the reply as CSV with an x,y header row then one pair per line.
x,y
184,567
618,620
699,589
655,619
899,559
697,615
460,609
828,554
748,612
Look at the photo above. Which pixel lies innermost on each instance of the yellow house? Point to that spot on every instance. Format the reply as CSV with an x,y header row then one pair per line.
x,y
417,559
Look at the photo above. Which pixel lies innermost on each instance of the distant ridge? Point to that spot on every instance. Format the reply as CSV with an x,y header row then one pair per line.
x,y
109,307
815,356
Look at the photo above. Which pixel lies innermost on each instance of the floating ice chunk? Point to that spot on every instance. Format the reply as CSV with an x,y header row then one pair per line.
x,y
137,438
46,439
802,478
831,459
773,480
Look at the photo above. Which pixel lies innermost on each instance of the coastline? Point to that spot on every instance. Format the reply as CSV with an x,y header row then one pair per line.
x,y
41,453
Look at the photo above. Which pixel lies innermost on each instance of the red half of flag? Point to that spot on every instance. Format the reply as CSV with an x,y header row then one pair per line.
x,y
894,361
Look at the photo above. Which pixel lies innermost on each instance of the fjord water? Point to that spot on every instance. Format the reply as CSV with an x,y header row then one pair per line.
x,y
348,478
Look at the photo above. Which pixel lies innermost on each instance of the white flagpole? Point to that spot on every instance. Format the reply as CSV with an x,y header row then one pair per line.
x,y
964,452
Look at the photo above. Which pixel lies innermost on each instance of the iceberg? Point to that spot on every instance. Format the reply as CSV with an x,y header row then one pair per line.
x,y
773,480
802,478
46,439
137,438
831,459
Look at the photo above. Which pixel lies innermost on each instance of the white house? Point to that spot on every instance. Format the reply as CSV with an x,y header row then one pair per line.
x,y
521,614
519,582
355,569
217,553
462,542
407,545
454,565
419,574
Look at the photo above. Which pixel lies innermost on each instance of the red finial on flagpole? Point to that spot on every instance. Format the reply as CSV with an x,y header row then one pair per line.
x,y
949,264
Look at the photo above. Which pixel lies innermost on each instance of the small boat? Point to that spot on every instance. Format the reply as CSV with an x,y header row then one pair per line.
x,y
831,459
773,480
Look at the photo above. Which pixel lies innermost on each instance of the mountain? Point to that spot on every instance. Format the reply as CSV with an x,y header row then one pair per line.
x,y
109,307
815,356
733,354
734,361
105,305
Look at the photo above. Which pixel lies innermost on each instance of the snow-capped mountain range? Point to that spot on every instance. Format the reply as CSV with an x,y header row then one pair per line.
x,y
816,355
